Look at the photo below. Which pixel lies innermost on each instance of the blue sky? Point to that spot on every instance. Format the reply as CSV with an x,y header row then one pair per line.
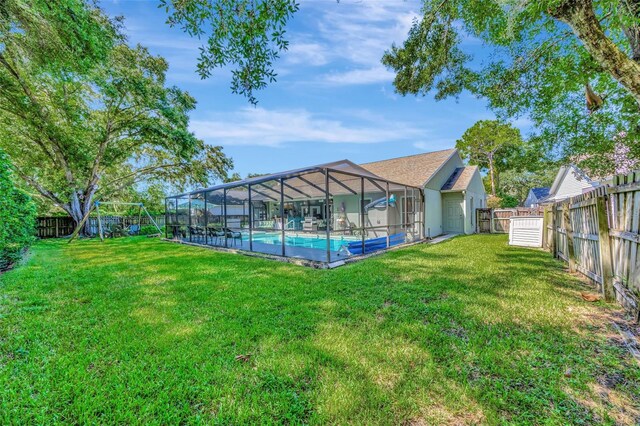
x,y
333,98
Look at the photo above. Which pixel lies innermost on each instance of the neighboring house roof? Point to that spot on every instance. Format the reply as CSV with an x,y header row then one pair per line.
x,y
540,193
460,179
414,170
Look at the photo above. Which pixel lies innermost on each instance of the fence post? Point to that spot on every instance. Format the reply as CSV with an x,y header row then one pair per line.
x,y
491,223
604,245
57,226
545,231
566,215
553,230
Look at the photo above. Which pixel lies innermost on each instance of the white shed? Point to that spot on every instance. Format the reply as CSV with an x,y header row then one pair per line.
x,y
525,231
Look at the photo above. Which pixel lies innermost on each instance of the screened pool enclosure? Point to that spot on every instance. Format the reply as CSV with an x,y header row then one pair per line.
x,y
326,213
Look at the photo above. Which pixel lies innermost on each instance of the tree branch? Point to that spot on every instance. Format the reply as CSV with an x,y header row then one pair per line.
x,y
581,17
41,190
144,170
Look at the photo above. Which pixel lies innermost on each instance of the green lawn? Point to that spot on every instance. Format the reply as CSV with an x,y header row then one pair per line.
x,y
468,331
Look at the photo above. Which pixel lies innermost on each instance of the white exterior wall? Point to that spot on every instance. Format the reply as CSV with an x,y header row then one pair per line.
x,y
475,191
531,200
375,216
351,208
433,225
432,213
573,184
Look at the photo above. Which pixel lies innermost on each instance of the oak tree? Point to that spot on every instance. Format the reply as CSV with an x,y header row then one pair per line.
x,y
84,113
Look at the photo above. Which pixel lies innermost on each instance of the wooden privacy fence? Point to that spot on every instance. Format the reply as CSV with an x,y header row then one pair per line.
x,y
496,221
62,226
54,227
598,234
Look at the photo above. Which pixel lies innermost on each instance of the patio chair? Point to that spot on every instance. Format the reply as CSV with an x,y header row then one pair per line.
x,y
197,232
215,234
178,232
235,235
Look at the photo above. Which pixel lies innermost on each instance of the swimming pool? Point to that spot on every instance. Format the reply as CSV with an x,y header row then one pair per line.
x,y
307,241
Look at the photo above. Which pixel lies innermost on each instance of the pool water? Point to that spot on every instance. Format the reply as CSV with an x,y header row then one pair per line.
x,y
316,242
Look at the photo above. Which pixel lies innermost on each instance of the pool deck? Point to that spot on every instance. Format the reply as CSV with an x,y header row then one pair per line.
x,y
303,256
297,252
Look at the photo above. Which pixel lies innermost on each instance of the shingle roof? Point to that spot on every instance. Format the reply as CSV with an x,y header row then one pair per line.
x,y
540,193
413,170
459,179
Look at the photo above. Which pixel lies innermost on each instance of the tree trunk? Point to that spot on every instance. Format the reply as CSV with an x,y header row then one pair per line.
x,y
492,175
78,210
632,32
580,16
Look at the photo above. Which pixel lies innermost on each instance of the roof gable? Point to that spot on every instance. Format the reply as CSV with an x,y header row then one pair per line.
x,y
414,170
460,179
575,173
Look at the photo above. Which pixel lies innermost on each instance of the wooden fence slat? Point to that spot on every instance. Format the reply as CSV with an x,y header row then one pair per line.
x,y
570,246
629,187
604,247
598,234
63,226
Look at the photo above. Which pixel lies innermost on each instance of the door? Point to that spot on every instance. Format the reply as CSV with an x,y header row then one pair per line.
x,y
453,216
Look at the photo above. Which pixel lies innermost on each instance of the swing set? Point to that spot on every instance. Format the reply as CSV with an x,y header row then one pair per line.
x,y
118,229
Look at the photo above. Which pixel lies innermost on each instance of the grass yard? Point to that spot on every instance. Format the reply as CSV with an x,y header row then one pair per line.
x,y
468,331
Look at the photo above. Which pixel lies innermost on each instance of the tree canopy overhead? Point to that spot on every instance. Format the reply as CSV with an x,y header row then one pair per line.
x,y
572,66
96,119
247,34
592,37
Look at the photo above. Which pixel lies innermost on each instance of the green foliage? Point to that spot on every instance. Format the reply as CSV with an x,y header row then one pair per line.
x,y
494,202
151,230
56,35
536,67
100,123
17,217
233,178
246,34
508,201
541,56
421,335
517,183
493,146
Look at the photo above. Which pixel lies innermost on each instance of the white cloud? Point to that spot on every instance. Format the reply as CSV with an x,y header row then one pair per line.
x,y
377,74
275,128
353,36
307,53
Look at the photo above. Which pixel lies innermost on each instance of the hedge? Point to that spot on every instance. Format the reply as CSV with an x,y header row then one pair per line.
x,y
17,217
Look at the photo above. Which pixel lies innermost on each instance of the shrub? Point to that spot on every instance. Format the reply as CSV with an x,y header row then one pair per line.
x,y
150,230
17,217
493,202
508,201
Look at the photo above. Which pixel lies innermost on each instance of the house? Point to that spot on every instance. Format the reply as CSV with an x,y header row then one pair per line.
x,y
535,196
569,182
329,212
452,191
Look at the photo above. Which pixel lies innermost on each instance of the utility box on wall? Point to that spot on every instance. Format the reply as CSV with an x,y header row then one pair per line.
x,y
525,231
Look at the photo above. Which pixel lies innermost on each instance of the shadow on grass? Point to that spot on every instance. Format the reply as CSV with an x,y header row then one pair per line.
x,y
466,331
